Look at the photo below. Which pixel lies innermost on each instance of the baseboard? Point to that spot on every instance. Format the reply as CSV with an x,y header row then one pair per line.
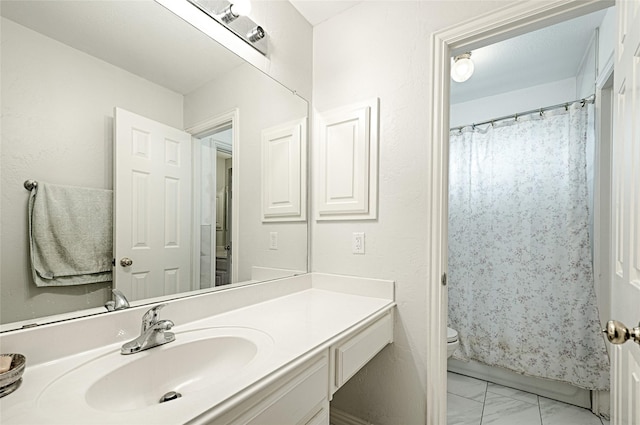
x,y
338,417
601,403
546,388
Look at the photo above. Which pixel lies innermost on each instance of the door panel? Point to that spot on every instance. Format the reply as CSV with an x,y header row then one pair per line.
x,y
625,303
152,169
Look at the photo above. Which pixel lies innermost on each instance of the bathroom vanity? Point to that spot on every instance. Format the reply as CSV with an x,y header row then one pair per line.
x,y
269,353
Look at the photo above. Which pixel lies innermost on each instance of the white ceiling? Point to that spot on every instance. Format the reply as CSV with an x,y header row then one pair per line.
x,y
550,54
316,11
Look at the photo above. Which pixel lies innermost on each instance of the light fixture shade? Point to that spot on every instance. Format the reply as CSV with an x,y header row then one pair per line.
x,y
256,33
462,68
241,7
235,9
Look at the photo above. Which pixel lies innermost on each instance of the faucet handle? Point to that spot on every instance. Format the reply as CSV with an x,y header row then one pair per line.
x,y
151,316
119,301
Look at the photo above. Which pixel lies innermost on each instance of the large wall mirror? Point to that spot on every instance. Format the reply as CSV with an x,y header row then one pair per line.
x,y
83,85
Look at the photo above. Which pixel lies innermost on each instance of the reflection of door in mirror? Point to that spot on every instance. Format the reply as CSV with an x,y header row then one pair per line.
x,y
215,154
152,171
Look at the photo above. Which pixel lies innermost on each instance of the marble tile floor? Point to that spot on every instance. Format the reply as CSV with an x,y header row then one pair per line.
x,y
472,401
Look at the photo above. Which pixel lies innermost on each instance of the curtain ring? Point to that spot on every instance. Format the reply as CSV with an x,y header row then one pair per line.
x,y
584,102
566,106
516,117
541,113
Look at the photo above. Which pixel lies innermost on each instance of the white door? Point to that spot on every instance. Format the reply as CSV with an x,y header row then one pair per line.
x,y
625,303
152,210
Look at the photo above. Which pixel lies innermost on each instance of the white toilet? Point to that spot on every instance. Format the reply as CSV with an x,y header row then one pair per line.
x,y
452,341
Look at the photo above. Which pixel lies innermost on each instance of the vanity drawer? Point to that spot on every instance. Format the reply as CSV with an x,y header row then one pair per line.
x,y
357,350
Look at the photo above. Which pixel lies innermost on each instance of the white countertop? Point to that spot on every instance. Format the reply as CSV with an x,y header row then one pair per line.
x,y
299,324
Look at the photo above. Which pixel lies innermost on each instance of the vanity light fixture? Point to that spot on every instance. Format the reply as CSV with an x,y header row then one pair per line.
x,y
462,67
235,9
256,33
232,14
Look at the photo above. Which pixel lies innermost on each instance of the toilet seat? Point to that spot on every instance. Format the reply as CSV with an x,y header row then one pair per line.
x,y
452,335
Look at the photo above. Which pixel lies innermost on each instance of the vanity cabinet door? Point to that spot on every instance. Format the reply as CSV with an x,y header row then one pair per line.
x,y
321,417
353,352
298,398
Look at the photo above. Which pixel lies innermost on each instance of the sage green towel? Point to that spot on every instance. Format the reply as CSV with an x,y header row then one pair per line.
x,y
70,235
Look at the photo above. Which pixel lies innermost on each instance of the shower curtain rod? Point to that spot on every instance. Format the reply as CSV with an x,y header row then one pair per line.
x,y
589,99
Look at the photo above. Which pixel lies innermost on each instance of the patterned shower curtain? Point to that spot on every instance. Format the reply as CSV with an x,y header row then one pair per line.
x,y
521,292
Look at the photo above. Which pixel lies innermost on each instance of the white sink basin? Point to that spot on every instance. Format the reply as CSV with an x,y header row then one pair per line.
x,y
196,361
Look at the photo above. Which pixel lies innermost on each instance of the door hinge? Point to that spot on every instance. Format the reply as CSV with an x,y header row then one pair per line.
x,y
443,280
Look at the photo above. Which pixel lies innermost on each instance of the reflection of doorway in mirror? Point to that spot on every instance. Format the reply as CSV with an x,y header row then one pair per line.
x,y
228,216
215,191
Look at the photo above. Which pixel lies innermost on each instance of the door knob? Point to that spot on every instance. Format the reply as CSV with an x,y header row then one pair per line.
x,y
126,262
618,333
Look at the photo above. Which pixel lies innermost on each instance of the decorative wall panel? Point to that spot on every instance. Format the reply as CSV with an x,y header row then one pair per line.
x,y
347,166
284,172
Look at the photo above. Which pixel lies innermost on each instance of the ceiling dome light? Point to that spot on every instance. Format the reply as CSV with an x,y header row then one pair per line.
x,y
462,67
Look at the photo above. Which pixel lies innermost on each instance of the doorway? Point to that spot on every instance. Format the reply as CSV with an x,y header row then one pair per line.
x,y
215,153
485,30
215,210
516,184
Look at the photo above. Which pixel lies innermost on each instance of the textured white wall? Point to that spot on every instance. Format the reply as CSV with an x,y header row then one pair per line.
x,y
57,126
500,105
381,49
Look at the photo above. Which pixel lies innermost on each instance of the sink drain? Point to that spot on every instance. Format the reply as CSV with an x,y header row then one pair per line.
x,y
171,395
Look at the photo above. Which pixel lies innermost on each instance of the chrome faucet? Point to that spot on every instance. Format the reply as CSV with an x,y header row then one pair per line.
x,y
152,333
119,301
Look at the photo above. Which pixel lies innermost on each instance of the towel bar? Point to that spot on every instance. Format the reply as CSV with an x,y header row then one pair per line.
x,y
30,184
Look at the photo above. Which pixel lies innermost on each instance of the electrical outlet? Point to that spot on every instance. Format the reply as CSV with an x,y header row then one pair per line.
x,y
357,243
273,240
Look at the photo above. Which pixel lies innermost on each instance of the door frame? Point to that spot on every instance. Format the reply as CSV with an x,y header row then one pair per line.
x,y
513,20
208,125
603,210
